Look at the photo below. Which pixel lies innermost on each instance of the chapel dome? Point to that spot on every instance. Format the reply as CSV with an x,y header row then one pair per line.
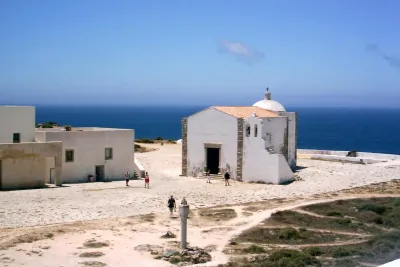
x,y
269,104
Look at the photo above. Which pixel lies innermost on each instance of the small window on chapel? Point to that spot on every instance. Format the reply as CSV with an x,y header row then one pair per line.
x,y
248,130
255,130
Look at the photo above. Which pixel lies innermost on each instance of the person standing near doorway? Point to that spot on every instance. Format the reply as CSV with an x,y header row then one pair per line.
x,y
227,176
147,181
171,205
127,178
208,176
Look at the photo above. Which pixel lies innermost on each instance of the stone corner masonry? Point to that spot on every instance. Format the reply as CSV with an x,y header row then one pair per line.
x,y
184,147
239,164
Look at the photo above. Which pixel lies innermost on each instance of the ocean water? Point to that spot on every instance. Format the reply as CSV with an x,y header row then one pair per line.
x,y
369,130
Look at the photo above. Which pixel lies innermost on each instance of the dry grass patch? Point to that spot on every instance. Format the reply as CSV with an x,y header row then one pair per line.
x,y
29,237
144,149
288,235
147,217
93,243
391,187
292,218
264,205
93,264
94,254
218,214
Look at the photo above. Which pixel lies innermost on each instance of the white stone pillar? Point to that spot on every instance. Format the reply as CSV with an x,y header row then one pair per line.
x,y
184,213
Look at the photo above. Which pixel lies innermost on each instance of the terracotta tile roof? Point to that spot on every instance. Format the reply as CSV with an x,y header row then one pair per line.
x,y
245,112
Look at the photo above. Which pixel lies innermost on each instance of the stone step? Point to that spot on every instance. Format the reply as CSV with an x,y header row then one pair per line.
x,y
213,176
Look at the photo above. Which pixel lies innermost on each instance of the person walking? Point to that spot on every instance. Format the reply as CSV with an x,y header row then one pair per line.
x,y
171,205
227,177
208,176
127,178
147,181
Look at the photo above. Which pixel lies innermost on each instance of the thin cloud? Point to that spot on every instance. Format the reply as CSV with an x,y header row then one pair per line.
x,y
393,61
241,51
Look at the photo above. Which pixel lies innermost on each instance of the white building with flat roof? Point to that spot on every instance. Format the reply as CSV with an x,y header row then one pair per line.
x,y
22,160
105,153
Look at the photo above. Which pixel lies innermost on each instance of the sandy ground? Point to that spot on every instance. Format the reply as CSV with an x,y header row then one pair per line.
x,y
106,211
75,202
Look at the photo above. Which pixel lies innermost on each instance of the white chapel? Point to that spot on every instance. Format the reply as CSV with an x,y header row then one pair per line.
x,y
253,143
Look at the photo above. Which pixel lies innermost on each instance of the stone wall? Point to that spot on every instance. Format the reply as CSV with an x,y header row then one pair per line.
x,y
239,165
184,147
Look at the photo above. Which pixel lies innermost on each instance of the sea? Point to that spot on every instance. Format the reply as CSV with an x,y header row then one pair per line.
x,y
367,130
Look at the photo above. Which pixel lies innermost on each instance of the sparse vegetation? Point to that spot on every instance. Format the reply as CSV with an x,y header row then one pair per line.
x,y
143,149
218,214
314,251
147,217
333,213
93,264
93,243
254,249
288,235
365,238
49,124
145,141
157,140
93,254
278,258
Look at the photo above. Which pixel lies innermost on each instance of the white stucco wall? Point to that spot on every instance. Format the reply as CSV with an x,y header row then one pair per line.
x,y
211,126
262,161
22,166
17,119
89,150
371,155
274,132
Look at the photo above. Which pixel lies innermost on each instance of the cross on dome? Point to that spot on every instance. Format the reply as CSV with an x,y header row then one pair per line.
x,y
269,104
267,94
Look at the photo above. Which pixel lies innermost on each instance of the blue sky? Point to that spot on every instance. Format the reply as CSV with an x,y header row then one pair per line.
x,y
309,52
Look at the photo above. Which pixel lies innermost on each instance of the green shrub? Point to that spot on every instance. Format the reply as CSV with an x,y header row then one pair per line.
x,y
378,220
291,258
378,209
333,213
145,141
314,251
47,125
289,233
340,252
254,249
159,138
345,221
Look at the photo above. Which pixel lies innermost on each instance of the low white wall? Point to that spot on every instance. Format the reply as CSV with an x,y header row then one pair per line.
x,y
216,127
89,151
347,159
17,119
139,169
344,153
